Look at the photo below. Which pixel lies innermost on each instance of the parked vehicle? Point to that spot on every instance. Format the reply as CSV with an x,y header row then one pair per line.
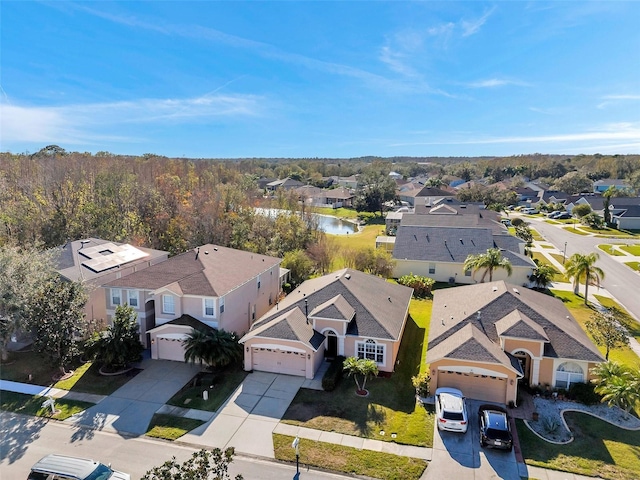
x,y
554,214
563,216
495,430
451,410
529,211
62,467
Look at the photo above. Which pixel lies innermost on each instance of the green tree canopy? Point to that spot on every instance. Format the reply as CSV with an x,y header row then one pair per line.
x,y
607,329
215,348
581,268
203,465
360,366
489,262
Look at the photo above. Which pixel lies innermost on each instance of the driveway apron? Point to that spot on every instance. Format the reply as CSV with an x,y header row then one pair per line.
x,y
129,409
457,455
247,420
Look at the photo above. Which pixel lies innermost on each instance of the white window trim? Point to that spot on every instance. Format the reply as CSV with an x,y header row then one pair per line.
x,y
213,307
221,305
133,294
366,342
111,297
164,304
431,266
569,375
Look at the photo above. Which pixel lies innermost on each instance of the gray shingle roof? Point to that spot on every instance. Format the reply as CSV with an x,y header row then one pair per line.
x,y
454,308
441,244
380,307
335,308
210,271
291,325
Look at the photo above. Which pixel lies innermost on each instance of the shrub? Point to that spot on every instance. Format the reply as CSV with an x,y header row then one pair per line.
x,y
333,376
517,221
584,393
550,424
421,285
421,384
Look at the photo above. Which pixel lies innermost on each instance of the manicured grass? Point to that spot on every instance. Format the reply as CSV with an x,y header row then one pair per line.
x,y
575,231
390,407
224,382
86,377
611,250
171,427
599,449
582,313
32,405
631,249
536,236
545,245
366,238
559,258
351,460
540,257
420,311
633,265
629,322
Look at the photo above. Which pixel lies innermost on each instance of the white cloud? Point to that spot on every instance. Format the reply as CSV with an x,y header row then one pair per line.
x,y
617,99
473,26
76,124
496,82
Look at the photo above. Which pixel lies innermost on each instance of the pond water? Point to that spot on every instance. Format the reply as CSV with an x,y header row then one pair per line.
x,y
326,223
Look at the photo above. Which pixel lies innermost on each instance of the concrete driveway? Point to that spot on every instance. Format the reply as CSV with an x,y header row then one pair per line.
x,y
457,455
129,409
247,420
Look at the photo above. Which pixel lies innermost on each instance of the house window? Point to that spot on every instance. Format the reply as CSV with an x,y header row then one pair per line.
x,y
258,283
467,273
116,299
209,307
371,350
221,305
168,304
567,374
432,268
132,298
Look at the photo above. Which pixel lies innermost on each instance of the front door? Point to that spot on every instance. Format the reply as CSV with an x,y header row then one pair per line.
x,y
332,346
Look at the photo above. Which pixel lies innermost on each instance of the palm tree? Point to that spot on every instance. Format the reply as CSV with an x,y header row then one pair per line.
x,y
605,371
622,390
360,366
215,348
489,261
543,275
581,268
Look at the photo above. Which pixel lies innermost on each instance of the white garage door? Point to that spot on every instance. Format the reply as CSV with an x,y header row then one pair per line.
x,y
279,361
479,387
170,349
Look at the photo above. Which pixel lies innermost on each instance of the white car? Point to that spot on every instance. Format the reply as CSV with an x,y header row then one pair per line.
x,y
61,467
451,410
529,211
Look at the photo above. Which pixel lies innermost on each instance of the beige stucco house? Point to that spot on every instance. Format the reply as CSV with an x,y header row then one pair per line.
x,y
221,287
346,313
486,339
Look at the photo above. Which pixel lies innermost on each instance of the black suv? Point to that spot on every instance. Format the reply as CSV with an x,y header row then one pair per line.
x,y
495,430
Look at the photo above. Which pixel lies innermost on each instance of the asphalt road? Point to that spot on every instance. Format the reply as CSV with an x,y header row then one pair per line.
x,y
24,440
622,282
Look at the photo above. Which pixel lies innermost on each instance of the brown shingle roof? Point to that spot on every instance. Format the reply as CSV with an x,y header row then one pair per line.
x,y
210,270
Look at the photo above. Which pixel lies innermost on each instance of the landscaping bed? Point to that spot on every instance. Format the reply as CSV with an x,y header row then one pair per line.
x,y
599,449
219,384
339,458
32,405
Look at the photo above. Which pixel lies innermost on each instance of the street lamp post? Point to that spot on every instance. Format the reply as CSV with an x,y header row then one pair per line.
x,y
296,445
564,253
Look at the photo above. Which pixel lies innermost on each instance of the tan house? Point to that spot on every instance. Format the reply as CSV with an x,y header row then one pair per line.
x,y
486,339
346,313
221,287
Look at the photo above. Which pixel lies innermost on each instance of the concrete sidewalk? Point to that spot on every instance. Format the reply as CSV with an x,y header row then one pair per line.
x,y
41,391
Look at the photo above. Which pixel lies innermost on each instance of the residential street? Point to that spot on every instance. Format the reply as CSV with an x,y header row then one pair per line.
x,y
622,282
26,439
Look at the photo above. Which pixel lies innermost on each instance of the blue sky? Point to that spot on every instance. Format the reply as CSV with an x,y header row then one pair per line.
x,y
321,79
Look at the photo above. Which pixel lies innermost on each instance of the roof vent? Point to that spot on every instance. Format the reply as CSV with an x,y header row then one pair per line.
x,y
389,298
347,276
515,290
206,252
461,242
479,314
495,289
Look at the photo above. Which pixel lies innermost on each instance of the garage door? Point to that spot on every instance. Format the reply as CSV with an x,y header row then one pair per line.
x,y
170,349
479,387
279,361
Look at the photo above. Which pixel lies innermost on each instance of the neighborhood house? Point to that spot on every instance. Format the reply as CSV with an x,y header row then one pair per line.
x,y
487,339
346,313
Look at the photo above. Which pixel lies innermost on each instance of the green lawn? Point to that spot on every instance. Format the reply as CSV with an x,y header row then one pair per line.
x,y
536,236
540,257
610,249
170,427
633,265
390,407
575,231
546,245
86,377
32,405
219,384
632,249
349,460
599,449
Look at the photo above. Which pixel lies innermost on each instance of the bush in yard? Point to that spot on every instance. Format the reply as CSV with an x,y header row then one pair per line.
x,y
421,384
584,393
421,285
581,210
517,222
333,376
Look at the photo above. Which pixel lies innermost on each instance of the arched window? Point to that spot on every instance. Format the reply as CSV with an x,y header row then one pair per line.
x,y
568,373
371,350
